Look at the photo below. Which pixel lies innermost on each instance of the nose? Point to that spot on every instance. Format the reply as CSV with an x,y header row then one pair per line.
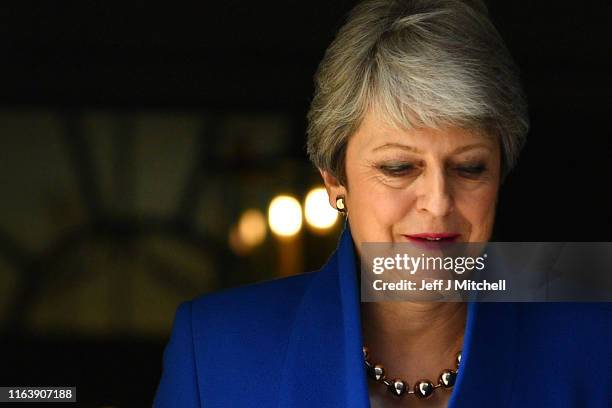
x,y
434,195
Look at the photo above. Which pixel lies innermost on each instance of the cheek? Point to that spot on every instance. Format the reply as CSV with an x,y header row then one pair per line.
x,y
385,205
376,208
478,208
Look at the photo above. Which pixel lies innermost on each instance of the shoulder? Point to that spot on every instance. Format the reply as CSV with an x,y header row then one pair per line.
x,y
562,348
569,335
262,299
244,330
241,323
576,319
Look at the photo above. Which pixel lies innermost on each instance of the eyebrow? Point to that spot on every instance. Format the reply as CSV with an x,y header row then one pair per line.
x,y
472,146
415,150
399,145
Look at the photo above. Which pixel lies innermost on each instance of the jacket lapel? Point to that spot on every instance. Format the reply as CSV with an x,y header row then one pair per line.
x,y
489,357
490,350
324,366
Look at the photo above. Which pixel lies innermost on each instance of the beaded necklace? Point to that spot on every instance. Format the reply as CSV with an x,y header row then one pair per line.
x,y
423,388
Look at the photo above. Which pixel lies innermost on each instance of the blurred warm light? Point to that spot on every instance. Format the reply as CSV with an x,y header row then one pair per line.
x,y
235,243
319,214
252,227
249,232
285,216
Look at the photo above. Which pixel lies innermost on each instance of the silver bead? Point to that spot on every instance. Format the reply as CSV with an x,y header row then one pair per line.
x,y
458,359
377,372
398,387
423,389
366,355
447,378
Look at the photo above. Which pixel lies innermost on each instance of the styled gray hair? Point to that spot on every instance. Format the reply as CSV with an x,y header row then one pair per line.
x,y
419,63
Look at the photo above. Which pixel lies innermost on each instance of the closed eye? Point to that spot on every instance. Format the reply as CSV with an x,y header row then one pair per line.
x,y
471,171
397,170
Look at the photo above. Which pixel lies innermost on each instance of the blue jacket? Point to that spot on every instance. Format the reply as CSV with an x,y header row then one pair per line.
x,y
296,342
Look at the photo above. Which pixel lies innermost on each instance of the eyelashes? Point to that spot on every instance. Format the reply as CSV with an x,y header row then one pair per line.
x,y
470,171
396,170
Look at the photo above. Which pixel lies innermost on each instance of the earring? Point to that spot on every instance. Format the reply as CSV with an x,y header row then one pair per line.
x,y
340,205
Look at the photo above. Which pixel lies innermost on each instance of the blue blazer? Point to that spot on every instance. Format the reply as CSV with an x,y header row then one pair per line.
x,y
296,342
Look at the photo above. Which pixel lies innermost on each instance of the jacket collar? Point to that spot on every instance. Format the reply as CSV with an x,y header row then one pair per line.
x,y
324,360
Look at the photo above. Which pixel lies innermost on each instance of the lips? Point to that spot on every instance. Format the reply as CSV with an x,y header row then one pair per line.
x,y
433,240
433,237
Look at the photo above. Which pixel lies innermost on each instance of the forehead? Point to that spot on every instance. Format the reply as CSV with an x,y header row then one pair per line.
x,y
376,134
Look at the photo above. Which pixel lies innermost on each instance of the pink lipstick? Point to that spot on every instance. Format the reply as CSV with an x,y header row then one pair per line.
x,y
432,240
434,236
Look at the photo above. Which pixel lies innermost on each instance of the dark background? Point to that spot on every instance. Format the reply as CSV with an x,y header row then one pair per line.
x,y
258,59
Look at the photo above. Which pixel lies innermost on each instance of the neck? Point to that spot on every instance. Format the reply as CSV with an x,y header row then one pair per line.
x,y
413,340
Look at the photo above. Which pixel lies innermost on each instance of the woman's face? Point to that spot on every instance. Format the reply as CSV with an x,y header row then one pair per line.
x,y
412,185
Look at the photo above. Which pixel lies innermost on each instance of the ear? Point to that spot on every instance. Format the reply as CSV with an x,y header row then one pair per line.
x,y
333,187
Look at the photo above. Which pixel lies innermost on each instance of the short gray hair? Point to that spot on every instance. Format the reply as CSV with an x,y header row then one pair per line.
x,y
421,63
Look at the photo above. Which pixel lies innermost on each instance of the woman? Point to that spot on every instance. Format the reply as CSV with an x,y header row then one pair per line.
x,y
417,117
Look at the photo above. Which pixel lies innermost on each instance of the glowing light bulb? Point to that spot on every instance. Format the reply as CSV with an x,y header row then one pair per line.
x,y
319,214
285,216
